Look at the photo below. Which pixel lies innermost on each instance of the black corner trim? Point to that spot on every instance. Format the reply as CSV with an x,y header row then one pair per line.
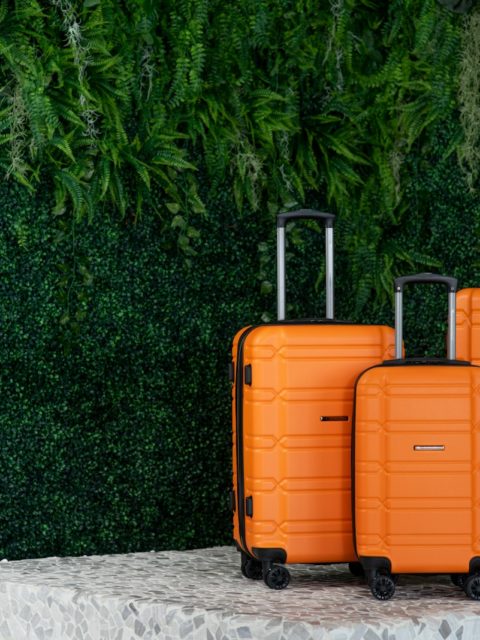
x,y
239,389
248,374
231,372
270,555
378,563
474,566
233,504
249,506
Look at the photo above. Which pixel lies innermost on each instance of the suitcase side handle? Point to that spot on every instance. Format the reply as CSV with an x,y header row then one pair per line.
x,y
309,214
426,278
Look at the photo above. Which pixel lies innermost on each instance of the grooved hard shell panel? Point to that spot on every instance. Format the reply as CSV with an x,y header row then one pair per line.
x,y
296,435
417,475
468,325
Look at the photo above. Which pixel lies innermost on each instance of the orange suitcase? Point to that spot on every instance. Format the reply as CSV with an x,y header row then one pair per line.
x,y
292,410
468,325
416,464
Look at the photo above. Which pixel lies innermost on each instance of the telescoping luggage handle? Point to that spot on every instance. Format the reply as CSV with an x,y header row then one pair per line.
x,y
426,278
282,220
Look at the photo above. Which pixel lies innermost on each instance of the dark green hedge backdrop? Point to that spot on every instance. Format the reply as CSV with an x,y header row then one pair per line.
x,y
147,155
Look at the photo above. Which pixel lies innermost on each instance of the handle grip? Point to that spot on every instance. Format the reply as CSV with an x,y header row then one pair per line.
x,y
307,214
427,278
282,220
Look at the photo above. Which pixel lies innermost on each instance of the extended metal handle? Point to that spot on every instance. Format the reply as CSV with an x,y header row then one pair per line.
x,y
282,220
426,278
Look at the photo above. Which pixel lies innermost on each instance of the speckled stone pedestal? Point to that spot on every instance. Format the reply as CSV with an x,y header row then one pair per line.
x,y
202,595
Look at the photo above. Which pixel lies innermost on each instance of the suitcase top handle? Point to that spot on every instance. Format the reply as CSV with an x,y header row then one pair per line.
x,y
309,214
425,278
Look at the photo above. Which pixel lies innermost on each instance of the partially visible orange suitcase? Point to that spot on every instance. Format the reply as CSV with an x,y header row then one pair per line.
x,y
292,412
468,325
416,464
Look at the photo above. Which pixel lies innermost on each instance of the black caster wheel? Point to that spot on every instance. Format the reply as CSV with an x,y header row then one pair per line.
x,y
356,569
458,579
251,568
382,586
472,586
277,577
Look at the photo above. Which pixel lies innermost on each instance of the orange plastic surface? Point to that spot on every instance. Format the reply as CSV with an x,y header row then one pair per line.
x,y
296,465
468,325
418,508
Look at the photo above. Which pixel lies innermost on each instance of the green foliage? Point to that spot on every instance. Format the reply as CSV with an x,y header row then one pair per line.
x,y
256,81
469,98
398,80
286,100
79,103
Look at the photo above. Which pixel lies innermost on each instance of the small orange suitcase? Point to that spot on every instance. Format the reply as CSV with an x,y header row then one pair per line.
x,y
416,464
468,325
292,410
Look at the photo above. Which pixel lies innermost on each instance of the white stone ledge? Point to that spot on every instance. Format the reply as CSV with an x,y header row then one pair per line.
x,y
201,595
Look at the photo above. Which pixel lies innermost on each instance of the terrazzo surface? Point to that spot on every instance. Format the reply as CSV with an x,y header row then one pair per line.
x,y
202,595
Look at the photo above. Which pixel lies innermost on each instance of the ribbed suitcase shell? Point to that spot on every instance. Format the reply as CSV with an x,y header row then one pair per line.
x,y
468,325
293,465
420,509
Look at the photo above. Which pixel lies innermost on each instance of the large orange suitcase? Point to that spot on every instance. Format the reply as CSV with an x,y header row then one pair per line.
x,y
292,411
468,325
416,464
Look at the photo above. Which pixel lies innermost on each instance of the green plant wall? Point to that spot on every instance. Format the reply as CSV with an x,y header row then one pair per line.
x,y
116,435
147,152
